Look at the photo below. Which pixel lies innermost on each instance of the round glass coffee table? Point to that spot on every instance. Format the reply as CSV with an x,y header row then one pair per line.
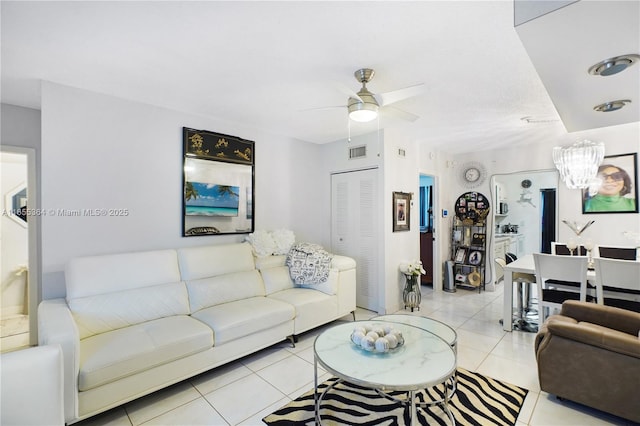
x,y
423,361
431,325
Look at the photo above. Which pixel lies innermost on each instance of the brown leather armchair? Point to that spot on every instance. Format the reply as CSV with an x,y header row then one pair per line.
x,y
590,354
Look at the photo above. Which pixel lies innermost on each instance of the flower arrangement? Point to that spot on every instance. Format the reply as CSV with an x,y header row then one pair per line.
x,y
412,268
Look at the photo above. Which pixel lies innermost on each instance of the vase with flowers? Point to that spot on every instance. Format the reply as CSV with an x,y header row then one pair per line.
x,y
411,294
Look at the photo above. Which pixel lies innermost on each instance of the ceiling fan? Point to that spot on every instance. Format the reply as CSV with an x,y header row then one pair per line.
x,y
364,106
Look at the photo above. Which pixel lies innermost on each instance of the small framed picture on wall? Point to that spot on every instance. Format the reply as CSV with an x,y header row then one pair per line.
x,y
401,211
615,188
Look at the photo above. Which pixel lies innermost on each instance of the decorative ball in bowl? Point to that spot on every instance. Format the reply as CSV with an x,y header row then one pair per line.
x,y
377,338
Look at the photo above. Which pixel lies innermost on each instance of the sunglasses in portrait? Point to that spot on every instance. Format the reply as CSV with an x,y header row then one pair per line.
x,y
616,176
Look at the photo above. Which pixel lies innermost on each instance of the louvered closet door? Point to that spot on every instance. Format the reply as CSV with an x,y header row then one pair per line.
x,y
354,229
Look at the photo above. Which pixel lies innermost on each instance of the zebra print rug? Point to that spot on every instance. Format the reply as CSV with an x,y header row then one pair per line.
x,y
478,400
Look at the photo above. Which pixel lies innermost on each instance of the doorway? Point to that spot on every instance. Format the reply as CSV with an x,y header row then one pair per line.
x,y
18,237
427,227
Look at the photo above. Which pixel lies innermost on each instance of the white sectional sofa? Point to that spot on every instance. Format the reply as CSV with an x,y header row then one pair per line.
x,y
134,323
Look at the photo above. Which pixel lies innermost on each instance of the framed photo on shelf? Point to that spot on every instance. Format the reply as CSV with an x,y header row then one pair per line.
x,y
401,211
461,254
615,189
475,257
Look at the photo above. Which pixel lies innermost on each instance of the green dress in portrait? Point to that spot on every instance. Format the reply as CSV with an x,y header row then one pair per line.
x,y
615,203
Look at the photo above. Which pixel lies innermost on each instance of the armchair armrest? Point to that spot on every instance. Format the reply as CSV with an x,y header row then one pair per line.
x,y
57,327
595,335
606,316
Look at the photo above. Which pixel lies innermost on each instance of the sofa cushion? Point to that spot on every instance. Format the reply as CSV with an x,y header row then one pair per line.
x,y
116,354
223,289
111,311
276,279
211,261
312,307
233,320
93,275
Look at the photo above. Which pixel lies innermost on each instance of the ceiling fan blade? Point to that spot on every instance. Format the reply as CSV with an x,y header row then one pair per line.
x,y
347,91
323,108
394,112
394,96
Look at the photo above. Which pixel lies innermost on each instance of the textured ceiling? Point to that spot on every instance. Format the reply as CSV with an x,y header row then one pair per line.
x,y
271,64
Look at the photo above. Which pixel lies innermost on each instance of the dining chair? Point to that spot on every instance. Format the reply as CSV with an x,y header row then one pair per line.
x,y
561,249
551,269
623,253
618,283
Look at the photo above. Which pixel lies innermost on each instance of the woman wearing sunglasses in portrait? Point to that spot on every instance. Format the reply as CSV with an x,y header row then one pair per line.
x,y
610,195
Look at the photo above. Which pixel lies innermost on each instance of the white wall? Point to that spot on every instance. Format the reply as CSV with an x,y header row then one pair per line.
x,y
104,152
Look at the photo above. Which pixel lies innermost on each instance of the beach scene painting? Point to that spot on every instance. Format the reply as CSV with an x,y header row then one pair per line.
x,y
208,199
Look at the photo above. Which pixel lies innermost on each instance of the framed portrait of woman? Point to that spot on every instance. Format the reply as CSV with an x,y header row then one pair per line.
x,y
615,188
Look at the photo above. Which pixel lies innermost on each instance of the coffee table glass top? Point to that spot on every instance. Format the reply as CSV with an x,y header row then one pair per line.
x,y
423,361
436,327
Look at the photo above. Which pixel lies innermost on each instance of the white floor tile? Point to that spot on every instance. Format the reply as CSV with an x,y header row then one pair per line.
x,y
517,373
527,407
552,412
469,358
485,328
243,398
115,417
264,358
160,402
256,419
289,374
477,341
220,376
516,352
197,412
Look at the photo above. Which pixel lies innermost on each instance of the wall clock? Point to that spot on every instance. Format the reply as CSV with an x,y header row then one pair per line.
x,y
472,174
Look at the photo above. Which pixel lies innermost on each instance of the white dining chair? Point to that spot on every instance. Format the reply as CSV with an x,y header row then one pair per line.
x,y
552,269
618,283
622,253
561,249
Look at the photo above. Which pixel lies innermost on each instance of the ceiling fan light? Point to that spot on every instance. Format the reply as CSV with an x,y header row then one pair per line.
x,y
362,111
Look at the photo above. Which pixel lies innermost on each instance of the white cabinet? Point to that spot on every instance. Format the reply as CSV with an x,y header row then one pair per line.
x,y
501,247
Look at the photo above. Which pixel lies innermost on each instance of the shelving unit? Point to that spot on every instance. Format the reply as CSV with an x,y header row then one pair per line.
x,y
469,240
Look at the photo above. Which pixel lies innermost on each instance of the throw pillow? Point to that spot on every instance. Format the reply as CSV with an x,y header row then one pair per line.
x,y
262,243
283,240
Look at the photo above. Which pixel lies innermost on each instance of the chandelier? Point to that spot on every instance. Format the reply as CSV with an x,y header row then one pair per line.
x,y
578,163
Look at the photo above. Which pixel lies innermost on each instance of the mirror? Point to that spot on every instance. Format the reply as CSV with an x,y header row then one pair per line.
x,y
525,214
218,184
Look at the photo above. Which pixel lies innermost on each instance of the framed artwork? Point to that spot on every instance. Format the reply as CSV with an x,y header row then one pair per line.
x,y
461,253
475,257
401,211
218,184
16,204
615,189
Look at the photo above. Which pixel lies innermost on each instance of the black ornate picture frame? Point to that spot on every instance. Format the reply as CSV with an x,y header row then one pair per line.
x,y
401,211
617,191
218,182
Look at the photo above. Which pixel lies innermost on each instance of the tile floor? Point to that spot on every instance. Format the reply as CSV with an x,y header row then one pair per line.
x,y
243,392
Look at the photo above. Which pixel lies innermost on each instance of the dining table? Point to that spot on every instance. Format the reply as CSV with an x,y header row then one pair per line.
x,y
524,264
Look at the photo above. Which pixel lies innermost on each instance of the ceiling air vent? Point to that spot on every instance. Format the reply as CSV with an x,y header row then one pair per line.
x,y
357,152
